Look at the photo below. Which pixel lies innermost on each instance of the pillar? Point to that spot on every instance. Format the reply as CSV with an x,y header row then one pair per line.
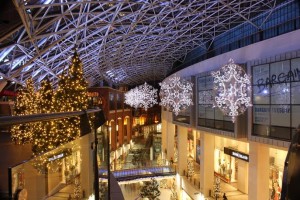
x,y
206,162
120,132
258,171
164,130
182,149
113,134
170,140
129,130
168,132
243,176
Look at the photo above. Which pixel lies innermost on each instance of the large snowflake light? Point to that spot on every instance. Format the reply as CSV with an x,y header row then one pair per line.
x,y
205,98
143,96
232,85
132,97
176,94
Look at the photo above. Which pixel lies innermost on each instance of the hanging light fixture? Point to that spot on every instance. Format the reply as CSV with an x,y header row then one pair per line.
x,y
231,86
143,96
176,94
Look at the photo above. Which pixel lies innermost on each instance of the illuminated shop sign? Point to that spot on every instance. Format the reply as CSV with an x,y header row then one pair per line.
x,y
63,154
55,157
236,154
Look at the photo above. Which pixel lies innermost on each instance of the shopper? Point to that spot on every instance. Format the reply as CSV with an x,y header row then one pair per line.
x,y
224,196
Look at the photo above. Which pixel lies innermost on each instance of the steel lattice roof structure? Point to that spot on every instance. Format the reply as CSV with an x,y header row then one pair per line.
x,y
122,41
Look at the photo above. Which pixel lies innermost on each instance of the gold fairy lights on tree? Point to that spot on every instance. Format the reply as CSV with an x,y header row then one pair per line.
x,y
25,105
69,96
45,137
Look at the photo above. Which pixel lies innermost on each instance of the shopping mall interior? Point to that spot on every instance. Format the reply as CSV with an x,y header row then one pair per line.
x,y
149,99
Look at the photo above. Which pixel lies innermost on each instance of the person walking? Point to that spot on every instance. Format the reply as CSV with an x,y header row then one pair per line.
x,y
224,196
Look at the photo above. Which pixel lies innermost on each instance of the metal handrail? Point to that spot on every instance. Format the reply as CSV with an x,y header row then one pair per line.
x,y
12,120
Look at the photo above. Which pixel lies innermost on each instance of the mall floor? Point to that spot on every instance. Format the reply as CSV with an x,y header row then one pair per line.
x,y
131,191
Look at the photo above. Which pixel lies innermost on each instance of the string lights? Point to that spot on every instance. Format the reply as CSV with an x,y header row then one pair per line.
x,y
70,96
231,86
26,104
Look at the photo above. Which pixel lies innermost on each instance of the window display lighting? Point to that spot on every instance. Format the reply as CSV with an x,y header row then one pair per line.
x,y
232,88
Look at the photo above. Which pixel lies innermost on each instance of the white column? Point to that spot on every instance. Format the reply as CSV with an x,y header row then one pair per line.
x,y
242,176
182,149
170,141
258,171
168,132
206,162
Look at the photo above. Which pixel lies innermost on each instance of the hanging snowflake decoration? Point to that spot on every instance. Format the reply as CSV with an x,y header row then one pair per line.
x,y
176,94
132,97
231,86
143,96
205,98
148,96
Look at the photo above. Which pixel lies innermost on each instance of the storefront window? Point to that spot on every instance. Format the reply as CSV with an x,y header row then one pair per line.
x,y
207,115
277,158
276,89
228,156
190,148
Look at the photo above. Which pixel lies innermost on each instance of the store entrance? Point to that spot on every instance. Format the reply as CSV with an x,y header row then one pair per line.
x,y
227,168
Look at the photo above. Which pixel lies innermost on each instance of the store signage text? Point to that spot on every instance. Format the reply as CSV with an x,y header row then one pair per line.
x,y
55,157
236,154
291,75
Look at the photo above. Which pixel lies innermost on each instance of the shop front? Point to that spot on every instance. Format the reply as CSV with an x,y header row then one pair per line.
x,y
231,163
277,159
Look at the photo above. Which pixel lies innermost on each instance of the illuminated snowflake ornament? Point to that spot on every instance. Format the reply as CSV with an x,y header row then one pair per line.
x,y
132,97
148,96
231,86
176,94
143,96
205,98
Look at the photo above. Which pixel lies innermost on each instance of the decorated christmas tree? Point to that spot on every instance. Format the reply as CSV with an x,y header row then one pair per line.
x,y
45,137
159,160
77,189
103,187
174,195
217,187
77,90
150,190
190,168
25,105
71,96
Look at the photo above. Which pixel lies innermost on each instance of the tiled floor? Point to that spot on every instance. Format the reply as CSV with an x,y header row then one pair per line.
x,y
131,192
231,192
63,194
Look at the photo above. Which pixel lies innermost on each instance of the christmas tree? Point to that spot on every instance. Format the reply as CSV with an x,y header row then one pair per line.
x,y
45,137
174,195
150,190
217,187
190,168
71,95
77,90
25,105
159,160
103,187
77,189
